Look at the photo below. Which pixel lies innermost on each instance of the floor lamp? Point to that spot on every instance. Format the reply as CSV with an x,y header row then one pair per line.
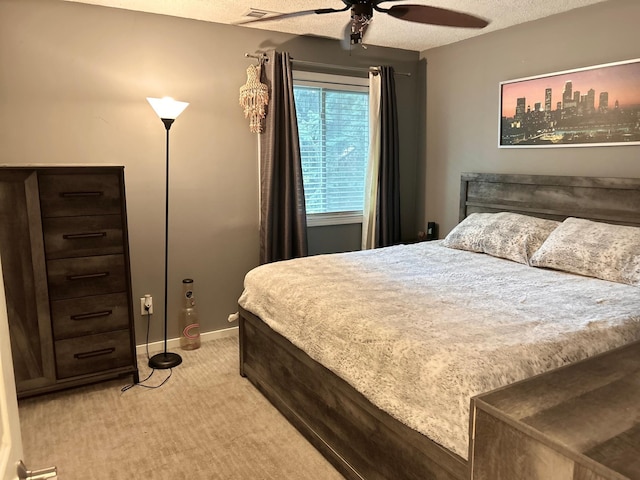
x,y
168,110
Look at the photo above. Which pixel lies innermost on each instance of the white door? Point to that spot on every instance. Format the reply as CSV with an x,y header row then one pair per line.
x,y
10,438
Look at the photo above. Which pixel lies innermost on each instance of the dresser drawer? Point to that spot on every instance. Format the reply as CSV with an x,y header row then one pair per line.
x,y
81,277
93,353
89,315
79,194
66,237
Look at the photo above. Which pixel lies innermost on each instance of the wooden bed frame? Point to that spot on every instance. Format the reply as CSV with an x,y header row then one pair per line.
x,y
358,438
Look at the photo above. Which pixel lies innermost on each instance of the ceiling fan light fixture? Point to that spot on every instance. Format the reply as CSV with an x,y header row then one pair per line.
x,y
359,24
361,16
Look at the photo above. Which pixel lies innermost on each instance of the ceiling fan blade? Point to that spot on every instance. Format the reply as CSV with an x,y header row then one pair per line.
x,y
436,16
301,13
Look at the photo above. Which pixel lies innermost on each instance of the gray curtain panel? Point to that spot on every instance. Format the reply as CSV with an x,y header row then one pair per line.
x,y
283,217
388,218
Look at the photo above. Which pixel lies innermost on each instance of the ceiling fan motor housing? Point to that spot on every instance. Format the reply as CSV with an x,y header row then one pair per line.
x,y
361,7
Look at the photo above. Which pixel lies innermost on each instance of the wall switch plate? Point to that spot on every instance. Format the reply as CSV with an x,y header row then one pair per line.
x,y
145,301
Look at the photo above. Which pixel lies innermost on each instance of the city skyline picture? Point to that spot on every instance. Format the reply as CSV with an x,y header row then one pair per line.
x,y
598,105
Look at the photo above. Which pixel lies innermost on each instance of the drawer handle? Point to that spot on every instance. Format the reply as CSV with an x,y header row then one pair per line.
x,y
88,275
75,236
95,353
81,194
85,316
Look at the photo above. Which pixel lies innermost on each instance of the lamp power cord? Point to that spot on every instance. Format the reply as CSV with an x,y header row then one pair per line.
x,y
141,382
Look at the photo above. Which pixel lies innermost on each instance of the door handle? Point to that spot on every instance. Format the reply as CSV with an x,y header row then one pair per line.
x,y
42,474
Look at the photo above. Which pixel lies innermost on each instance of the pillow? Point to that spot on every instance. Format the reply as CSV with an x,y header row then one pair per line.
x,y
506,235
594,249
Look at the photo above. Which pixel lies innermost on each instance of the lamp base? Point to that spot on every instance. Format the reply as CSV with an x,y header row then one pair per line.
x,y
165,360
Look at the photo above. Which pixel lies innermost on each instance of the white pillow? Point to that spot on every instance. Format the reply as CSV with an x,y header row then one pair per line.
x,y
594,249
506,235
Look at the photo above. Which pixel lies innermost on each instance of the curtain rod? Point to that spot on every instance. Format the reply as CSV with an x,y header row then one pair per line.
x,y
327,65
341,67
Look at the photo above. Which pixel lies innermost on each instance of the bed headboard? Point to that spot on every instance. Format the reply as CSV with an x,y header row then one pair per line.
x,y
612,200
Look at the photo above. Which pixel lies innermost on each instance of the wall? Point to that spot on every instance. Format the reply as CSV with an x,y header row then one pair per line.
x,y
462,102
73,82
334,238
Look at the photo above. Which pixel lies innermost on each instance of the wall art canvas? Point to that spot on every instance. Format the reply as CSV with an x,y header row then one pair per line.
x,y
597,105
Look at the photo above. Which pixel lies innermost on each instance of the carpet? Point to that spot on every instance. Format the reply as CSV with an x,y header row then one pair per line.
x,y
205,422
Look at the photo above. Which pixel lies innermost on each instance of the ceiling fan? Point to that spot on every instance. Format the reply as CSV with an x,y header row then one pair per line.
x,y
362,15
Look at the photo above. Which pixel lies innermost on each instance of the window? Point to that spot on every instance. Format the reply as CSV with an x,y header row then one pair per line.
x,y
333,126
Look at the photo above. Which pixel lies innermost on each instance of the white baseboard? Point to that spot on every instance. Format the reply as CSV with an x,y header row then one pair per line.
x,y
174,343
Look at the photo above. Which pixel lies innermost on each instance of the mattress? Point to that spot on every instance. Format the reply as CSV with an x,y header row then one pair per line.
x,y
419,329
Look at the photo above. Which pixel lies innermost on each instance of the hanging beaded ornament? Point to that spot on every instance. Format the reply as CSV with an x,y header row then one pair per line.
x,y
254,97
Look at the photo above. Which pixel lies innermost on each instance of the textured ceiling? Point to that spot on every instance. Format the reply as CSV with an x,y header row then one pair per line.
x,y
384,30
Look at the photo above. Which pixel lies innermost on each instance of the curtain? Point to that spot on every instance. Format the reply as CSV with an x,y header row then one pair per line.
x,y
381,216
283,218
369,214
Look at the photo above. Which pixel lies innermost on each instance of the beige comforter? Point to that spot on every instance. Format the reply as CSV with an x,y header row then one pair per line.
x,y
419,329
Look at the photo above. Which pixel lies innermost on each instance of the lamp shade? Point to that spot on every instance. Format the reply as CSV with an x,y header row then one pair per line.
x,y
167,107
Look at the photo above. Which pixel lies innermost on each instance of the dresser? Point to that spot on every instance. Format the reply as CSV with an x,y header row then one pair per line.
x,y
579,422
65,261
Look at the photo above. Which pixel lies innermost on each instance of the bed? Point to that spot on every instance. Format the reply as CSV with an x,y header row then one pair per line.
x,y
348,413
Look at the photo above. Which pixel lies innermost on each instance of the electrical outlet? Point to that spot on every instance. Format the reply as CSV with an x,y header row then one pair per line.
x,y
146,302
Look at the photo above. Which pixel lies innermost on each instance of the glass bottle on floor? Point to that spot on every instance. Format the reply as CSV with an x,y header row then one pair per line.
x,y
190,336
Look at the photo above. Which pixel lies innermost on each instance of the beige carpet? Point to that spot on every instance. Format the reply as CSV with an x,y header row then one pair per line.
x,y
206,422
